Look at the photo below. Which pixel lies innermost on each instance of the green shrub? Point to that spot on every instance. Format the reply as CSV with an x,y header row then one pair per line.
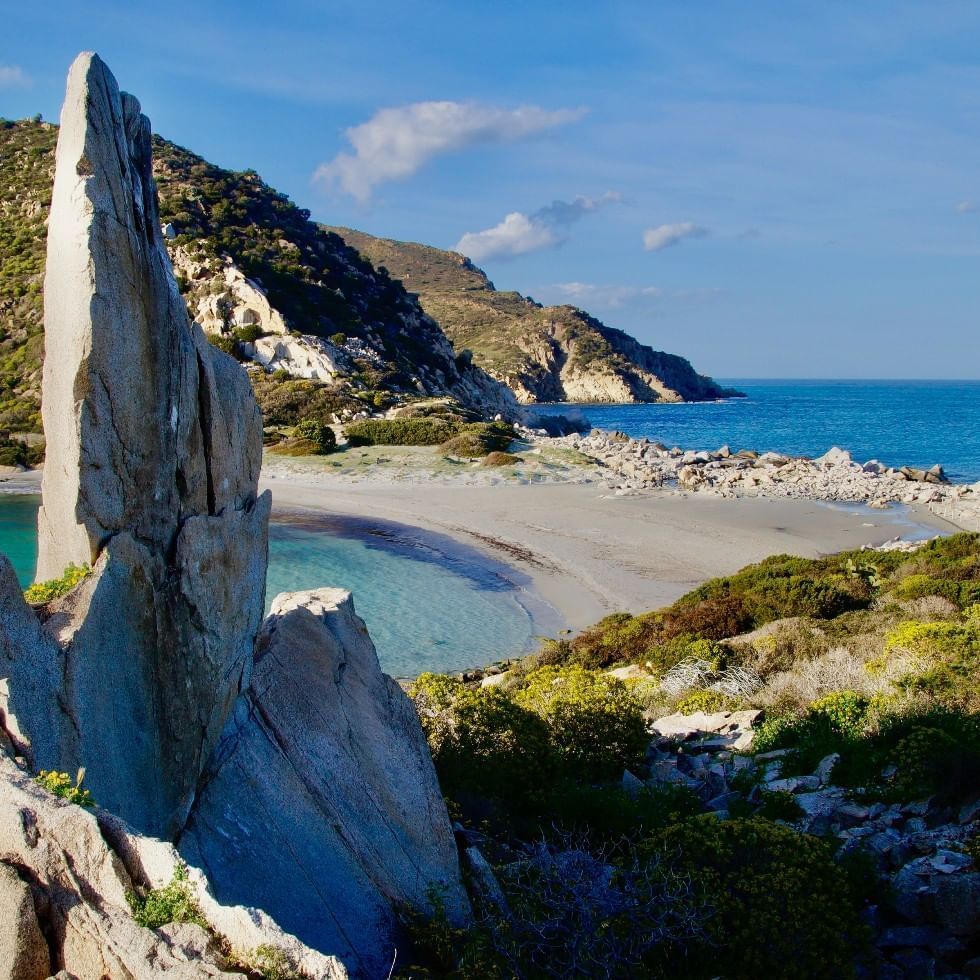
x,y
608,814
424,431
270,963
706,701
338,339
779,805
500,459
918,586
295,447
935,748
224,342
60,783
595,721
318,433
173,902
478,439
248,334
41,592
951,651
781,907
437,948
13,453
483,743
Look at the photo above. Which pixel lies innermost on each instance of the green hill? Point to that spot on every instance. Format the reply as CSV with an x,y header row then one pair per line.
x,y
545,353
385,349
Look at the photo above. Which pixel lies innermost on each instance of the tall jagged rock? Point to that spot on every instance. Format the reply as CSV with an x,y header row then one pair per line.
x,y
154,448
304,788
146,425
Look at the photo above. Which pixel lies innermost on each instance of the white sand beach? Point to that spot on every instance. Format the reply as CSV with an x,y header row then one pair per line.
x,y
588,551
584,550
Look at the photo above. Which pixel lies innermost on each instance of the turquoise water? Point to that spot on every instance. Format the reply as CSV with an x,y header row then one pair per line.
x,y
18,533
429,603
902,423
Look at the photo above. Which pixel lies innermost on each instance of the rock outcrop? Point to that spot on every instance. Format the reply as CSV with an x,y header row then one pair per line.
x,y
323,753
154,447
65,874
303,786
639,464
929,916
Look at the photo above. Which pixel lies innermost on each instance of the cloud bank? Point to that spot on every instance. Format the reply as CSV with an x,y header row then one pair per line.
x,y
967,207
519,232
13,77
664,236
605,297
397,142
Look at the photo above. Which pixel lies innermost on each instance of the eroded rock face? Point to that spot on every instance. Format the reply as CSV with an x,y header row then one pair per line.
x,y
64,876
326,755
154,448
145,422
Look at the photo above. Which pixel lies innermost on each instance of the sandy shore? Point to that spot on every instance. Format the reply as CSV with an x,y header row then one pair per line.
x,y
588,552
574,544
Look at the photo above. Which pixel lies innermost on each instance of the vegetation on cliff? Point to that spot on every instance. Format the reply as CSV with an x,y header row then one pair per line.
x,y
545,353
26,175
321,286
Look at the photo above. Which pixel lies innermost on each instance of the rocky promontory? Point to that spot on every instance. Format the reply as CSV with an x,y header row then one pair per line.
x,y
543,353
639,464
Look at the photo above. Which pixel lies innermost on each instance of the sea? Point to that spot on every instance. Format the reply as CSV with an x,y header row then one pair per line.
x,y
901,423
429,602
433,604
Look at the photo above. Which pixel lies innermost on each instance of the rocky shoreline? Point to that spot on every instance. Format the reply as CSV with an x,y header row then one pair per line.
x,y
639,464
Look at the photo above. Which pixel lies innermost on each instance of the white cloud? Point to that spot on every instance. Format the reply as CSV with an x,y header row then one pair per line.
x,y
605,297
967,207
13,77
663,236
515,235
396,142
519,232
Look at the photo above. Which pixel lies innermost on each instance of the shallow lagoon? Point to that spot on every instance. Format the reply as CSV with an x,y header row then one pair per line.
x,y
429,603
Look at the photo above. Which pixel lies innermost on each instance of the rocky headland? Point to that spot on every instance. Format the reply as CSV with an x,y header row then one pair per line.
x,y
273,757
543,353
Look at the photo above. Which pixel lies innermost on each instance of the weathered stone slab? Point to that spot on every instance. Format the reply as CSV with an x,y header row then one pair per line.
x,y
323,807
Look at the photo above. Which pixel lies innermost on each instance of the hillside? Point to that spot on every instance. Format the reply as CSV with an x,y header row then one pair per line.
x,y
333,334
544,353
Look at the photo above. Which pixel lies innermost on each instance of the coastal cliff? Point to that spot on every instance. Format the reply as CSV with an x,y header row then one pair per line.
x,y
275,755
543,353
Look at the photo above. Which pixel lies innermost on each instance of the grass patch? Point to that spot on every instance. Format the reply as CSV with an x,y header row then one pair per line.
x,y
174,902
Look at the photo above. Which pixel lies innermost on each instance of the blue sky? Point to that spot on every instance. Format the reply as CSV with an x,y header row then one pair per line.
x,y
773,189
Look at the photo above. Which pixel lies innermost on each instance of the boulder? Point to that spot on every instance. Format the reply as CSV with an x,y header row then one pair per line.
x,y
834,457
24,953
322,806
77,899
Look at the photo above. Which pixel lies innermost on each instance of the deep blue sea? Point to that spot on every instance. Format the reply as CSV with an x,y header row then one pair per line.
x,y
429,602
901,423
